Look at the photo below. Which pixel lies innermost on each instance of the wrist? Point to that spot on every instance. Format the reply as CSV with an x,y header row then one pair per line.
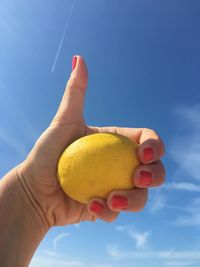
x,y
28,203
22,225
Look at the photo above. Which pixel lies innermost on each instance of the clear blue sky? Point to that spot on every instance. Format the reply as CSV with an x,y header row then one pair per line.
x,y
144,63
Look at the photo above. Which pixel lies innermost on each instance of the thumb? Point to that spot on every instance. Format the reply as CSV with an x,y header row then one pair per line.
x,y
72,103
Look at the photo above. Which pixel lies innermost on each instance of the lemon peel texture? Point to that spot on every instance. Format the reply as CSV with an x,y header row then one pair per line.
x,y
97,164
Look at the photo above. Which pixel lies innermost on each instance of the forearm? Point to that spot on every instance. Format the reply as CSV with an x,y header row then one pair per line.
x,y
22,224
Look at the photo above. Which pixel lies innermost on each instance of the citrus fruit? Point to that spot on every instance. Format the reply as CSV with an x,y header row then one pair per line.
x,y
97,164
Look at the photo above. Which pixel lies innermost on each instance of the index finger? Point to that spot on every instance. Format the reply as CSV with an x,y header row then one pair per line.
x,y
151,147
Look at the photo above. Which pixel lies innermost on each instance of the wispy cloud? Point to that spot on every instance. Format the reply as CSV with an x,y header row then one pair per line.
x,y
58,238
185,147
52,251
191,216
179,263
16,121
140,238
185,215
13,143
157,201
190,115
38,261
188,215
49,253
191,219
15,114
51,262
170,255
101,265
77,225
183,186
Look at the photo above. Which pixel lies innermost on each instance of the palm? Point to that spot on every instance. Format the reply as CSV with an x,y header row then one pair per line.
x,y
43,161
41,166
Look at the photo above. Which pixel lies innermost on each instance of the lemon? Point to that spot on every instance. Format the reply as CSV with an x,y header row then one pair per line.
x,y
97,164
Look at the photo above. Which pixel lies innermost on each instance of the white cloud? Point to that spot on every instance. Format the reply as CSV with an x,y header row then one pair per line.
x,y
157,202
169,255
58,238
77,225
39,261
190,115
188,215
185,147
192,219
184,186
191,216
50,253
13,143
140,238
49,262
101,265
114,252
179,263
14,118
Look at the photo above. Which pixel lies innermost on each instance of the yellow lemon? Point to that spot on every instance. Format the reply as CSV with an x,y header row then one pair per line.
x,y
97,164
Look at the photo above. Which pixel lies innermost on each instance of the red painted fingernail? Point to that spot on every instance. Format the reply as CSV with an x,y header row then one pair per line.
x,y
145,178
119,202
96,207
74,60
148,154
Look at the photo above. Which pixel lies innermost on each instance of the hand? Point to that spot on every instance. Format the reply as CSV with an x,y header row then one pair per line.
x,y
38,172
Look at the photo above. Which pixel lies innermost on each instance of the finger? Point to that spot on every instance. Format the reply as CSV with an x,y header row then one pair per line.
x,y
151,146
98,208
72,103
151,175
127,200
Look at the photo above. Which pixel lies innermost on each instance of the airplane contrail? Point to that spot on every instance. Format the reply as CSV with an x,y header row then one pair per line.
x,y
63,37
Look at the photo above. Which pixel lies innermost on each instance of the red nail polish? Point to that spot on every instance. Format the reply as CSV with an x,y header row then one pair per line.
x,y
74,60
119,202
148,154
145,178
96,207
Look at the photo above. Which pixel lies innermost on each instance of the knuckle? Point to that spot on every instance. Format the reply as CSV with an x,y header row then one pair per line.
x,y
72,82
111,218
161,170
115,129
141,201
163,176
136,209
111,129
56,120
149,130
162,146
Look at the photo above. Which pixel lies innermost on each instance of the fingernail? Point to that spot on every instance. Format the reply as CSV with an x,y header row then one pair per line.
x,y
96,207
74,60
119,202
148,154
145,178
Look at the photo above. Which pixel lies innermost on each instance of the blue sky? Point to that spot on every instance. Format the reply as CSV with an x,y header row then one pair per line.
x,y
143,60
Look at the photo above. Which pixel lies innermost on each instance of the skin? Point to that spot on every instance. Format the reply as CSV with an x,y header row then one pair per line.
x,y
33,193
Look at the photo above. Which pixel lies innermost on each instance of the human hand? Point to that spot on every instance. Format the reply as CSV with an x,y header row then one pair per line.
x,y
38,173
